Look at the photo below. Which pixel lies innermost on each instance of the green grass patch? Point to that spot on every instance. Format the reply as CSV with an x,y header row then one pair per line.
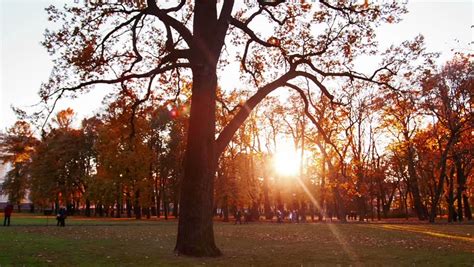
x,y
83,242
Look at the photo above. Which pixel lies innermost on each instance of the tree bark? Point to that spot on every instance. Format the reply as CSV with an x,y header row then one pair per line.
x,y
88,208
450,198
420,209
461,180
129,205
467,207
225,208
322,192
442,177
137,209
195,230
266,199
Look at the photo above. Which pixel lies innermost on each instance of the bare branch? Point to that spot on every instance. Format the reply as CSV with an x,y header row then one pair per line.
x,y
350,74
311,117
137,104
118,27
226,134
239,24
176,8
317,82
153,9
244,63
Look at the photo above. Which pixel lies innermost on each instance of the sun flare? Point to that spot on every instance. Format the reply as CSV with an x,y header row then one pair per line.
x,y
286,162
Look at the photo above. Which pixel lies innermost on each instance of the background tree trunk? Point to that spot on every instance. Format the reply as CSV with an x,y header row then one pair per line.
x,y
420,210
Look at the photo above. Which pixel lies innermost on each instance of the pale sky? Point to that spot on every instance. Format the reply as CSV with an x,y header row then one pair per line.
x,y
25,63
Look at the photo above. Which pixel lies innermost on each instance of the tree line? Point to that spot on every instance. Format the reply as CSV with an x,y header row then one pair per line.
x,y
129,162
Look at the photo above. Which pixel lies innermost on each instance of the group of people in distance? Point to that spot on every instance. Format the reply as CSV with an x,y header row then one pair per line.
x,y
293,216
239,214
60,217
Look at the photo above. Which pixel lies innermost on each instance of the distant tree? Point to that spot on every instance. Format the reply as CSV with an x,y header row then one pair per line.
x,y
16,148
60,164
448,97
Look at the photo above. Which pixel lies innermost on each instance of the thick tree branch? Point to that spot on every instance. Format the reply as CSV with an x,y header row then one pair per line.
x,y
223,24
317,82
150,73
270,2
228,132
176,8
350,74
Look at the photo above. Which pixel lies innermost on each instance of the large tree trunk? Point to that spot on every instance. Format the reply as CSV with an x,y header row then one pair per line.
x,y
195,229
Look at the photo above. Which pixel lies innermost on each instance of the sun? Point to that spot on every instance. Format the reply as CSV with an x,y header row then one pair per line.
x,y
286,162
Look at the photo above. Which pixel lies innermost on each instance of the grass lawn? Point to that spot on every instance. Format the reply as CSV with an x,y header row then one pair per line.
x,y
30,241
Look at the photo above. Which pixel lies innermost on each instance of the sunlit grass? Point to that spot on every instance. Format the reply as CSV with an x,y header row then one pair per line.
x,y
139,243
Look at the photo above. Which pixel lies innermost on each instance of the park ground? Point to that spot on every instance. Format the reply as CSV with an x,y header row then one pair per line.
x,y
36,241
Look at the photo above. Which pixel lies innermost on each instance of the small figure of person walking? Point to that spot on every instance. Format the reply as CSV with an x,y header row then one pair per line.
x,y
238,217
61,217
8,213
279,216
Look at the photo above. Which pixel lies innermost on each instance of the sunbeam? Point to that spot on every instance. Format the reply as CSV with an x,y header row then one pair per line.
x,y
338,235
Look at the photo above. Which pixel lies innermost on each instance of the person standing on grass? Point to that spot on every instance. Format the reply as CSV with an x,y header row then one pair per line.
x,y
61,217
8,213
279,216
238,217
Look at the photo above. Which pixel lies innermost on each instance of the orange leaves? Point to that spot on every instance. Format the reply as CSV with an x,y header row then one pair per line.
x,y
407,75
384,78
85,58
274,41
305,6
390,19
64,118
18,144
320,16
352,39
347,50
